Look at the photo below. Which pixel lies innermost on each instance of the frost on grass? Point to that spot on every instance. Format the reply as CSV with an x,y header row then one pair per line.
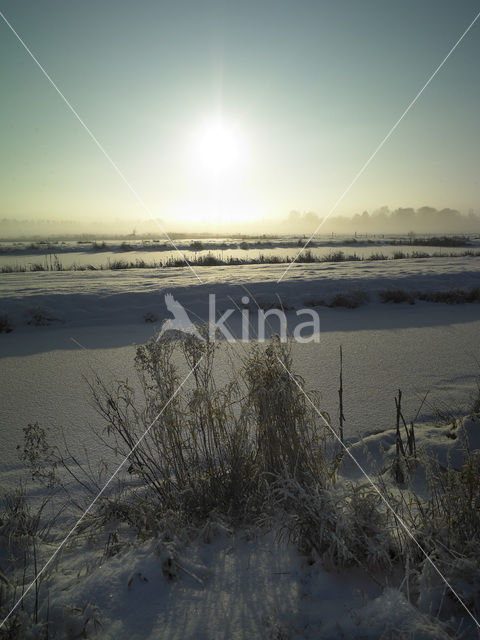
x,y
236,513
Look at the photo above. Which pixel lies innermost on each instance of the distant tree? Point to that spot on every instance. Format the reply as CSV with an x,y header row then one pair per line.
x,y
294,216
404,213
311,218
382,211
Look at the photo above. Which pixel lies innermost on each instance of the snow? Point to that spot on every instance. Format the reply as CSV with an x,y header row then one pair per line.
x,y
216,589
225,586
124,297
246,583
420,349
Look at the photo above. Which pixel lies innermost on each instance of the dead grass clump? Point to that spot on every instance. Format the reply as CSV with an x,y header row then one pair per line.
x,y
454,296
5,324
210,449
340,527
397,296
40,318
349,300
150,317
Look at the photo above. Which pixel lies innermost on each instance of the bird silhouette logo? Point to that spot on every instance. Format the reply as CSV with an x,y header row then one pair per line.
x,y
180,320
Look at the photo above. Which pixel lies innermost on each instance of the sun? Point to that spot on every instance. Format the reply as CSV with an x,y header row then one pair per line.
x,y
218,149
219,156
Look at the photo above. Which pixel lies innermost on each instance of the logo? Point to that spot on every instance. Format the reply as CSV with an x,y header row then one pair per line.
x,y
180,322
244,321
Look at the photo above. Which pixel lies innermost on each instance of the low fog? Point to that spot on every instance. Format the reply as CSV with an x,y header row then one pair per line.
x,y
427,220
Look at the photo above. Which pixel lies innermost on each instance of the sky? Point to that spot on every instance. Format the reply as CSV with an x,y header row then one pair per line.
x,y
220,112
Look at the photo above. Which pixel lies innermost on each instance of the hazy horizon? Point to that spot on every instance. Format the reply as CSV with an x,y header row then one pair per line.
x,y
402,220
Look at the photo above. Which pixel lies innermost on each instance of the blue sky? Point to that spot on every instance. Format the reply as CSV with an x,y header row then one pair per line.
x,y
310,88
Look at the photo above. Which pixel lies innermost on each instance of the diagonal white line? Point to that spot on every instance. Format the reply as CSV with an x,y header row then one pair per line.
x,y
381,144
386,502
54,554
132,189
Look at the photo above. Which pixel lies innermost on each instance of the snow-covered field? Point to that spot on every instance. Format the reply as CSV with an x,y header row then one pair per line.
x,y
96,254
124,297
239,584
419,348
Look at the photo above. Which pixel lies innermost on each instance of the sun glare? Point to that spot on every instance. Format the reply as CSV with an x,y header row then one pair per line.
x,y
219,156
218,149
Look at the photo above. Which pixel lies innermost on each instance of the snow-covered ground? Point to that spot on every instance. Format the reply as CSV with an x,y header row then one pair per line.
x,y
104,259
124,297
236,584
96,254
419,348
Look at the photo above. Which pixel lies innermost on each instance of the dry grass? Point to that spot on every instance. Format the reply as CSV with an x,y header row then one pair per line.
x,y
251,451
349,300
5,324
452,296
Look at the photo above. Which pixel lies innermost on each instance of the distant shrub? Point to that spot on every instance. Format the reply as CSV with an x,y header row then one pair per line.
x,y
233,260
396,296
454,296
40,318
473,294
196,246
13,268
349,300
399,255
117,264
208,261
126,247
306,256
244,245
335,256
443,241
5,324
175,262
52,263
476,401
99,246
262,258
